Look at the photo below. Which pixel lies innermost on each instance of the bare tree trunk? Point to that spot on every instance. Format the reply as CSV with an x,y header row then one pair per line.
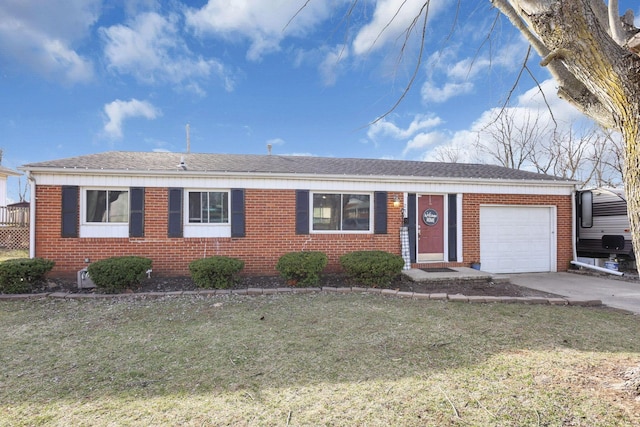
x,y
597,75
632,176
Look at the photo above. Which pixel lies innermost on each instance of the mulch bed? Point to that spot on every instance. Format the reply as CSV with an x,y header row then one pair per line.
x,y
468,288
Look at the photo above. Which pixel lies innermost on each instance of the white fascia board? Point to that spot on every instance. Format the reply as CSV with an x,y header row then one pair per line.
x,y
297,177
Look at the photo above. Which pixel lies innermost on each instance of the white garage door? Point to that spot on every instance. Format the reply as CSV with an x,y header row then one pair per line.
x,y
517,239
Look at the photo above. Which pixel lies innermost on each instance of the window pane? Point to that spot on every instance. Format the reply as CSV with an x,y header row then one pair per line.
x,y
326,211
118,206
96,206
195,214
356,208
209,207
204,204
218,207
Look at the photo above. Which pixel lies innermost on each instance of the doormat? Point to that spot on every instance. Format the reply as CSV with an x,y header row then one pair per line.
x,y
438,270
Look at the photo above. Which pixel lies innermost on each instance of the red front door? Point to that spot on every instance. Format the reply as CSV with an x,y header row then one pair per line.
x,y
431,228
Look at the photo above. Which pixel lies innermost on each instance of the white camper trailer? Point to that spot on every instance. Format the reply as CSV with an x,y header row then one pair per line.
x,y
603,229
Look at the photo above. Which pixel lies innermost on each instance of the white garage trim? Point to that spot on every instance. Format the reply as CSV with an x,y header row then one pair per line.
x,y
518,238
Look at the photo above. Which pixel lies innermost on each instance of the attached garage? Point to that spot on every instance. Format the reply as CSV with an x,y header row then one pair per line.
x,y
518,239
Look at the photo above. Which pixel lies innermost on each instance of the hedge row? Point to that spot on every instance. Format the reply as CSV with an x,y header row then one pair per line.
x,y
116,274
20,276
371,268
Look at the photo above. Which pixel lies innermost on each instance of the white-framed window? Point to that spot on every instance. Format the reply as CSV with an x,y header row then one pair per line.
x,y
208,207
104,212
341,212
206,213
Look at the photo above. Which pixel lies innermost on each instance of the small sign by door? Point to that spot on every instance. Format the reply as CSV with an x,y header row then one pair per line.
x,y
430,217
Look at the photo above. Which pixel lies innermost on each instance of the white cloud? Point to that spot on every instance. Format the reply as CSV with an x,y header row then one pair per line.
x,y
385,128
457,76
508,57
534,99
456,148
134,7
264,23
424,140
42,36
391,19
151,49
529,104
118,111
431,93
331,65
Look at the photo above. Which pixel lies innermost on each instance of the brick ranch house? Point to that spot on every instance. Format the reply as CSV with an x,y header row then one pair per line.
x,y
174,208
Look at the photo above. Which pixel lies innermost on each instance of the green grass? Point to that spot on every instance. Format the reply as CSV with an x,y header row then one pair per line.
x,y
319,359
6,254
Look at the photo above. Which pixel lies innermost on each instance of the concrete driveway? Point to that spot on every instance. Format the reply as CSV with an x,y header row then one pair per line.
x,y
612,292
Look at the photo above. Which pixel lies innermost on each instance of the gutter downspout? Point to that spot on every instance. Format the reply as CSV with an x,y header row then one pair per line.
x,y
574,244
574,221
32,215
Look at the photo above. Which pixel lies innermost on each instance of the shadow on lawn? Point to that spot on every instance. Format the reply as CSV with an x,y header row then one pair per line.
x,y
195,345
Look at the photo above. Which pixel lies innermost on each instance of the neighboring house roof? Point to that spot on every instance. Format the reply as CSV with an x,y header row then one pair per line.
x,y
18,205
165,162
8,172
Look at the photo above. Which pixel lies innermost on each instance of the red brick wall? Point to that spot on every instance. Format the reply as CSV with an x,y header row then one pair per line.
x,y
270,233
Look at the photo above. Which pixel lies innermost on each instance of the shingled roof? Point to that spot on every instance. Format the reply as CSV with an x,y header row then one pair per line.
x,y
128,162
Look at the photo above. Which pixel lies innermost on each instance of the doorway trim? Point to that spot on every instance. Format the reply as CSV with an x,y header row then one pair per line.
x,y
436,257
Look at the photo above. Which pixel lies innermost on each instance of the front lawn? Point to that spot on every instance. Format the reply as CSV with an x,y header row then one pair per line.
x,y
314,359
6,254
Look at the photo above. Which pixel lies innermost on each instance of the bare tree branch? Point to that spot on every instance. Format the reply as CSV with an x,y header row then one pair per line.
x,y
416,69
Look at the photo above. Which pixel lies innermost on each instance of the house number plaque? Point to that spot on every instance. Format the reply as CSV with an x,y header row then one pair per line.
x,y
430,217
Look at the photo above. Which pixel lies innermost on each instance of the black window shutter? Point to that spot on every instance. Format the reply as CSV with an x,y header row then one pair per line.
x,y
237,213
453,227
136,212
175,212
302,211
412,222
70,211
380,209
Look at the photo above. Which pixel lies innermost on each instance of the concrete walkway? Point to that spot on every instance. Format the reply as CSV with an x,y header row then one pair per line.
x,y
455,273
616,293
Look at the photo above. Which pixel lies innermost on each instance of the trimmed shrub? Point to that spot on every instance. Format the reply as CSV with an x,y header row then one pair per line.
x,y
113,275
372,268
217,272
18,276
302,268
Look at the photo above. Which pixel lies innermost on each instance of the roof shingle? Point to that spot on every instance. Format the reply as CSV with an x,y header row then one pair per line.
x,y
274,164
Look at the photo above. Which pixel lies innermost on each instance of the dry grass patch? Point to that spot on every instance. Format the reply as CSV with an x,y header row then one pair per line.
x,y
6,254
318,359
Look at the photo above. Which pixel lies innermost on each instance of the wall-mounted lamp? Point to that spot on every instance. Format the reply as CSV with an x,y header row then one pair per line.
x,y
396,201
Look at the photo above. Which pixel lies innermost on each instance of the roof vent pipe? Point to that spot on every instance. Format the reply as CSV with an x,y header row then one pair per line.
x,y
269,147
182,164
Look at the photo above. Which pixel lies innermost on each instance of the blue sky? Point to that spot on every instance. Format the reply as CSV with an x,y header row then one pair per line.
x,y
86,76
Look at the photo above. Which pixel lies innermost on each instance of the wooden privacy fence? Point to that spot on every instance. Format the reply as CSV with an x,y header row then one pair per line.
x,y
14,227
